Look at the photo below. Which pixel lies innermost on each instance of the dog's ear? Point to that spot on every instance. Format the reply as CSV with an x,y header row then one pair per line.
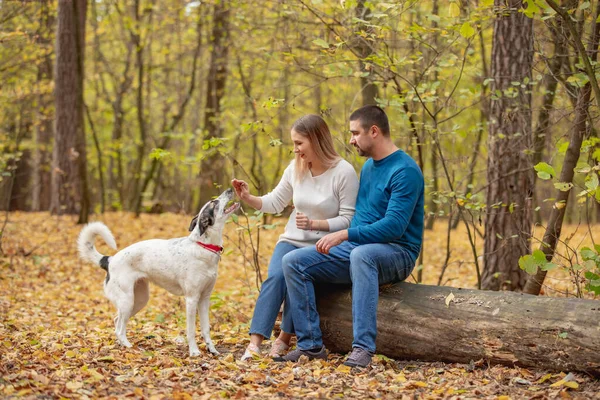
x,y
207,218
193,223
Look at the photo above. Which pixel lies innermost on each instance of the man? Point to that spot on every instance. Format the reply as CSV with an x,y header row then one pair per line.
x,y
381,246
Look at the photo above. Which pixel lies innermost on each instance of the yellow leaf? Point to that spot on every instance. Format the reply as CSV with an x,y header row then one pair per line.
x,y
572,385
544,378
95,374
559,205
558,383
400,378
454,10
343,368
503,397
70,354
230,366
420,384
182,396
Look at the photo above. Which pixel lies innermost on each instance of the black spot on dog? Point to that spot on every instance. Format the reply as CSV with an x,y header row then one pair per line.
x,y
205,219
193,223
104,266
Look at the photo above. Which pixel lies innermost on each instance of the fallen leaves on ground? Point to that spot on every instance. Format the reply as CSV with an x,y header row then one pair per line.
x,y
57,339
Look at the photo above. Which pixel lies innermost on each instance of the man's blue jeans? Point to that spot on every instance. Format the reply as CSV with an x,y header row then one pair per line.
x,y
273,292
364,266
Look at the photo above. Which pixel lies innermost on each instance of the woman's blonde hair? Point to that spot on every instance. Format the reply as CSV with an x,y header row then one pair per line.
x,y
315,129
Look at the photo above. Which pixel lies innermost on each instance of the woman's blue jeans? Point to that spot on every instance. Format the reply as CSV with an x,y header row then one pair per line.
x,y
273,292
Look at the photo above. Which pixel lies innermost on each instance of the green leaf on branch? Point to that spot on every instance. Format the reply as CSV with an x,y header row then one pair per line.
x,y
321,43
539,256
563,186
588,254
159,154
212,142
579,79
529,264
592,182
594,282
545,171
466,30
531,9
548,266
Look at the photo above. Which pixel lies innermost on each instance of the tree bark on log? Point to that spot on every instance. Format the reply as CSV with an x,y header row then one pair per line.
x,y
414,322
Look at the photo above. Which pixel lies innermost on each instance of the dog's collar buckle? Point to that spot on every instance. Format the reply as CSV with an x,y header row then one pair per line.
x,y
211,247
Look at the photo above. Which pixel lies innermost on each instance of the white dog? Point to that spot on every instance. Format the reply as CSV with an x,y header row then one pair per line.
x,y
184,266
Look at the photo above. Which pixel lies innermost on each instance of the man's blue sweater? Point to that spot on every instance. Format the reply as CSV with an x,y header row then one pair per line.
x,y
389,206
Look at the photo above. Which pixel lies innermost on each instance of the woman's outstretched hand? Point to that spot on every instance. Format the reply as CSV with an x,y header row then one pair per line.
x,y
241,189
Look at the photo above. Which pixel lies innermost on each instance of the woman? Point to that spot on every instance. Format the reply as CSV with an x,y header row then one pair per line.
x,y
323,188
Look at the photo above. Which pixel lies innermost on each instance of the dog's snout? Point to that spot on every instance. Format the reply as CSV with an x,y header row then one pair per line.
x,y
229,191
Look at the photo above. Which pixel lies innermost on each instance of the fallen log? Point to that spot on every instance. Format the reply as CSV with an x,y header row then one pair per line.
x,y
415,323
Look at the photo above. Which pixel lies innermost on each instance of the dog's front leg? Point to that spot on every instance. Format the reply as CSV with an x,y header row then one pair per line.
x,y
191,304
204,325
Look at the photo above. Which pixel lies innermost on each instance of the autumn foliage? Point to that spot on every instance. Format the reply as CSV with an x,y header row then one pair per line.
x,y
57,339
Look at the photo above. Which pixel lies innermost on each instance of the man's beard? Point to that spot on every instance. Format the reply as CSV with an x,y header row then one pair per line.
x,y
361,152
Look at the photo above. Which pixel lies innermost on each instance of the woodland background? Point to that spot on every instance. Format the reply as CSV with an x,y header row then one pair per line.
x,y
112,110
156,105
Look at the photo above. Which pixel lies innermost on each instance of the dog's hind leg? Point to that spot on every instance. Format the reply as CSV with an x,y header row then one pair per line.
x,y
123,299
124,304
125,312
203,311
191,305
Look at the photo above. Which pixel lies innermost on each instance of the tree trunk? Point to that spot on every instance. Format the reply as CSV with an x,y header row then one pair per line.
x,y
506,328
550,84
554,227
42,157
432,206
212,167
137,192
364,49
69,176
509,172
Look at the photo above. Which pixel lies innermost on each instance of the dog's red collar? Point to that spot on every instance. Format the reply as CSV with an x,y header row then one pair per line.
x,y
211,247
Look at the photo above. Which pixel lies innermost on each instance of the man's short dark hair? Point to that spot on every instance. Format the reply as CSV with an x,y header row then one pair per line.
x,y
370,115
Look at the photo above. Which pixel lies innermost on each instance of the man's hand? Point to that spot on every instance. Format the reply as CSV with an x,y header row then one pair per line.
x,y
302,221
333,239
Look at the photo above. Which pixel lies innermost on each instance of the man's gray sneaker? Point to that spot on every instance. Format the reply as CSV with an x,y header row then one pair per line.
x,y
295,355
359,358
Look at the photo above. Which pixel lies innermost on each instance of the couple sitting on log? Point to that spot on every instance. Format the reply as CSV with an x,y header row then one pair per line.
x,y
376,233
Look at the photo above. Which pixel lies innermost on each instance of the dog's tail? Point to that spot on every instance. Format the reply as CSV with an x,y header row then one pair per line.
x,y
85,243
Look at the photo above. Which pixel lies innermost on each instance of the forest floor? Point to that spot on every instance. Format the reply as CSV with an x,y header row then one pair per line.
x,y
57,339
